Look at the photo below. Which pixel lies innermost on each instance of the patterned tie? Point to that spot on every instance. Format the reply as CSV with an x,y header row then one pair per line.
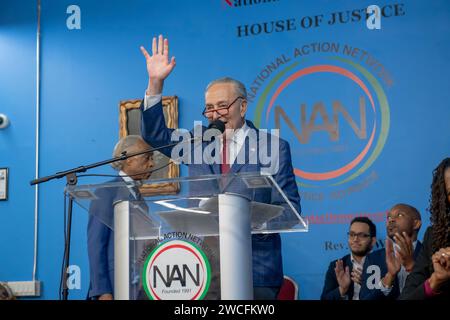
x,y
225,166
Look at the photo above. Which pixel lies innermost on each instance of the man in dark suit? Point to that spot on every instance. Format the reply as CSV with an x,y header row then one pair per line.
x,y
101,214
343,277
226,100
397,260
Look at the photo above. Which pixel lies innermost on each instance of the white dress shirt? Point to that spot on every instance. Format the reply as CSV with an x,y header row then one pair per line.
x,y
359,266
235,143
130,183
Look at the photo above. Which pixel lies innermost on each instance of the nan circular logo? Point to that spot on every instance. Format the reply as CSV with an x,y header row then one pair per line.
x,y
333,111
176,270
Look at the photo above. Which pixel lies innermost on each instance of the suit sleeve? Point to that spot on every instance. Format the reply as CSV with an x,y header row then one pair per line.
x,y
98,236
154,129
285,176
330,289
414,286
377,294
376,258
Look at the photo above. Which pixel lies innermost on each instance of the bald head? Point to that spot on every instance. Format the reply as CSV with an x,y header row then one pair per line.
x,y
403,218
409,210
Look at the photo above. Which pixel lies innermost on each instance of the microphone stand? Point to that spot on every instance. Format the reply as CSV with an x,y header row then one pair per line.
x,y
72,179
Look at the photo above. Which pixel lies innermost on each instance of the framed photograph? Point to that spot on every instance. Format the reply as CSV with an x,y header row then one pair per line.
x,y
130,123
3,184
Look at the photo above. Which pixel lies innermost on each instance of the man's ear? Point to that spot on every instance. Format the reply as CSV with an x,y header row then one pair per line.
x,y
374,241
417,225
243,108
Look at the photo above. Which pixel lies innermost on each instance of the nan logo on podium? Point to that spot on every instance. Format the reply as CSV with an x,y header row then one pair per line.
x,y
176,270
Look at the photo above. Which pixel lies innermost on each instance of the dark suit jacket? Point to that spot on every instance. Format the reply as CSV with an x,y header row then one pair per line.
x,y
267,262
101,238
423,268
378,258
331,287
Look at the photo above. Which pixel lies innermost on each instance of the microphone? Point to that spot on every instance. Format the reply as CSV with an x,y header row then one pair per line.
x,y
218,125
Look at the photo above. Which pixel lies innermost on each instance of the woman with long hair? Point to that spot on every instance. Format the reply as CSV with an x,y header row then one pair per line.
x,y
430,277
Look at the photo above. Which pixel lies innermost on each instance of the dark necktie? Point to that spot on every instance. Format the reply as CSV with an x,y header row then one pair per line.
x,y
139,200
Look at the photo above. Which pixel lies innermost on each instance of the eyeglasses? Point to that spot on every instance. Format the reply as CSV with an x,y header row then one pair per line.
x,y
222,109
359,235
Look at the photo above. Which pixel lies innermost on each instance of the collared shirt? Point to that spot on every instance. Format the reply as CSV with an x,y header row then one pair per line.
x,y
133,187
236,140
359,266
401,275
235,143
131,184
150,101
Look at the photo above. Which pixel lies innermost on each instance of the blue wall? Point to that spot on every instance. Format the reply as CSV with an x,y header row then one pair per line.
x,y
85,73
17,143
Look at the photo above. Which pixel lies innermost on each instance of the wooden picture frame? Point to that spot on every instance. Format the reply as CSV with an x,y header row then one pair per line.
x,y
130,123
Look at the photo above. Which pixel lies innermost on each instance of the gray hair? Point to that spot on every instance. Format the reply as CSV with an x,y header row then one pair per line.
x,y
126,144
239,86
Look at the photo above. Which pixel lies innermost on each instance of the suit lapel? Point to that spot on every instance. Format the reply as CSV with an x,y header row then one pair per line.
x,y
210,160
137,200
351,289
236,167
247,151
417,249
215,168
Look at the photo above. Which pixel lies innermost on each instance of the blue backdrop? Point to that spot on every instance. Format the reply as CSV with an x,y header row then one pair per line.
x,y
366,111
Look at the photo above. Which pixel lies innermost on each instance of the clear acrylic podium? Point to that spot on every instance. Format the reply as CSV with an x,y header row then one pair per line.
x,y
195,244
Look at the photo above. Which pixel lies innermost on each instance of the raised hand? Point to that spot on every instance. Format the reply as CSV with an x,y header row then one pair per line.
x,y
106,296
406,252
158,65
393,263
393,260
343,277
441,266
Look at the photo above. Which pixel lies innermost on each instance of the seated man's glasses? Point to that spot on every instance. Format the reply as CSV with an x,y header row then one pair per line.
x,y
359,235
222,109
